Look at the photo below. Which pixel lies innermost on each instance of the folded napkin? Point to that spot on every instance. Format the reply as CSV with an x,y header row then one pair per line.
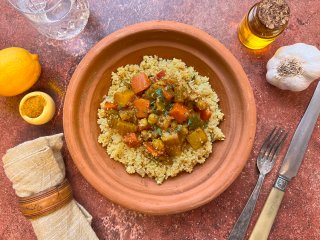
x,y
35,166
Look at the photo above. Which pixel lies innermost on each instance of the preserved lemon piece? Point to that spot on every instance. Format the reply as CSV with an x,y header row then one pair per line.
x,y
197,138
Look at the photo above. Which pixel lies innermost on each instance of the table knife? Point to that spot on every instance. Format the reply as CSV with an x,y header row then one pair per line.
x,y
289,168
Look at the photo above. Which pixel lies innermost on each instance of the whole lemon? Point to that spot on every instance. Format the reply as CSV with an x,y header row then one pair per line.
x,y
19,70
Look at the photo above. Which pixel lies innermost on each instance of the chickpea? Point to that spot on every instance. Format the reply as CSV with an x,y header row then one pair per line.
x,y
184,130
180,94
174,124
164,122
201,104
160,83
160,105
143,124
158,144
154,134
153,118
145,135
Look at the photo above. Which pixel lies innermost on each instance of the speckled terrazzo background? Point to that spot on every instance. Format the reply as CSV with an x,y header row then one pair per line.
x,y
299,215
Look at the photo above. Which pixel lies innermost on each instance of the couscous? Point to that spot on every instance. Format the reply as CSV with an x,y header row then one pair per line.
x,y
159,118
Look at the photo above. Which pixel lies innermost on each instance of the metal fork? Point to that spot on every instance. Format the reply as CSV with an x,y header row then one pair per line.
x,y
265,161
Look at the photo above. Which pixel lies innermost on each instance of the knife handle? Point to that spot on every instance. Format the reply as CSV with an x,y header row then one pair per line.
x,y
269,212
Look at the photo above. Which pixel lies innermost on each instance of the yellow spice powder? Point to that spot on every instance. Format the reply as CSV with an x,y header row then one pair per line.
x,y
33,106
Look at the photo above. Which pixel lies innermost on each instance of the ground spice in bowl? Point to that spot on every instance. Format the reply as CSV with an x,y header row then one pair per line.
x,y
33,106
37,108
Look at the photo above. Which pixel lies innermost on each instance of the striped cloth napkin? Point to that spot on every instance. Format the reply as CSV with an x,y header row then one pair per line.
x,y
35,166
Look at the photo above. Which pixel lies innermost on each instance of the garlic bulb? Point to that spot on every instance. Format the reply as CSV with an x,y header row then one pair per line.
x,y
294,67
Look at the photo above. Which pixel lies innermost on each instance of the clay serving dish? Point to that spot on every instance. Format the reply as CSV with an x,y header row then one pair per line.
x,y
90,82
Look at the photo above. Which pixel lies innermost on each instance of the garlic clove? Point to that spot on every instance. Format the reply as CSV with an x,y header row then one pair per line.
x,y
298,50
272,71
273,63
311,70
295,83
311,58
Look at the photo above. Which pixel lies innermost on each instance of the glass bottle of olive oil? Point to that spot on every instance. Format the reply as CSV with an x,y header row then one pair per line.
x,y
264,22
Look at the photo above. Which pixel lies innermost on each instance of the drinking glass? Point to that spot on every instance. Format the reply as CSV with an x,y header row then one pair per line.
x,y
57,19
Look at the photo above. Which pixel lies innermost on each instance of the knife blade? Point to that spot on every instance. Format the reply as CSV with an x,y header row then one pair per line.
x,y
301,137
289,168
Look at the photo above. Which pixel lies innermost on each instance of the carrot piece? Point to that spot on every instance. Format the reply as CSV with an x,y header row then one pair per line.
x,y
167,95
109,106
179,112
140,82
131,140
149,147
160,74
142,105
205,114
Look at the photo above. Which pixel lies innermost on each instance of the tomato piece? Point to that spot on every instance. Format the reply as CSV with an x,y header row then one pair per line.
x,y
205,114
109,106
131,140
160,74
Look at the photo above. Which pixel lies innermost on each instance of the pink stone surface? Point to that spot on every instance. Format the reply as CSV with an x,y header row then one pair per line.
x,y
298,217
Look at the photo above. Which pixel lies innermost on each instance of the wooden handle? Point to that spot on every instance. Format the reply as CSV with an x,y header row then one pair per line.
x,y
269,212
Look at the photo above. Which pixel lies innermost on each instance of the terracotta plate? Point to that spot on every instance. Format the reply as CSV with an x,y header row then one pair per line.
x,y
90,82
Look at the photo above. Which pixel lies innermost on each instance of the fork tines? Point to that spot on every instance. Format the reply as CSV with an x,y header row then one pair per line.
x,y
273,143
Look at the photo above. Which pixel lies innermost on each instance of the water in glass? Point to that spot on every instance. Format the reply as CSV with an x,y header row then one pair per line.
x,y
57,19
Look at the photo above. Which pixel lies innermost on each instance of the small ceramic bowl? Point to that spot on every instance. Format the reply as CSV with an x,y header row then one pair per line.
x,y
91,81
47,113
